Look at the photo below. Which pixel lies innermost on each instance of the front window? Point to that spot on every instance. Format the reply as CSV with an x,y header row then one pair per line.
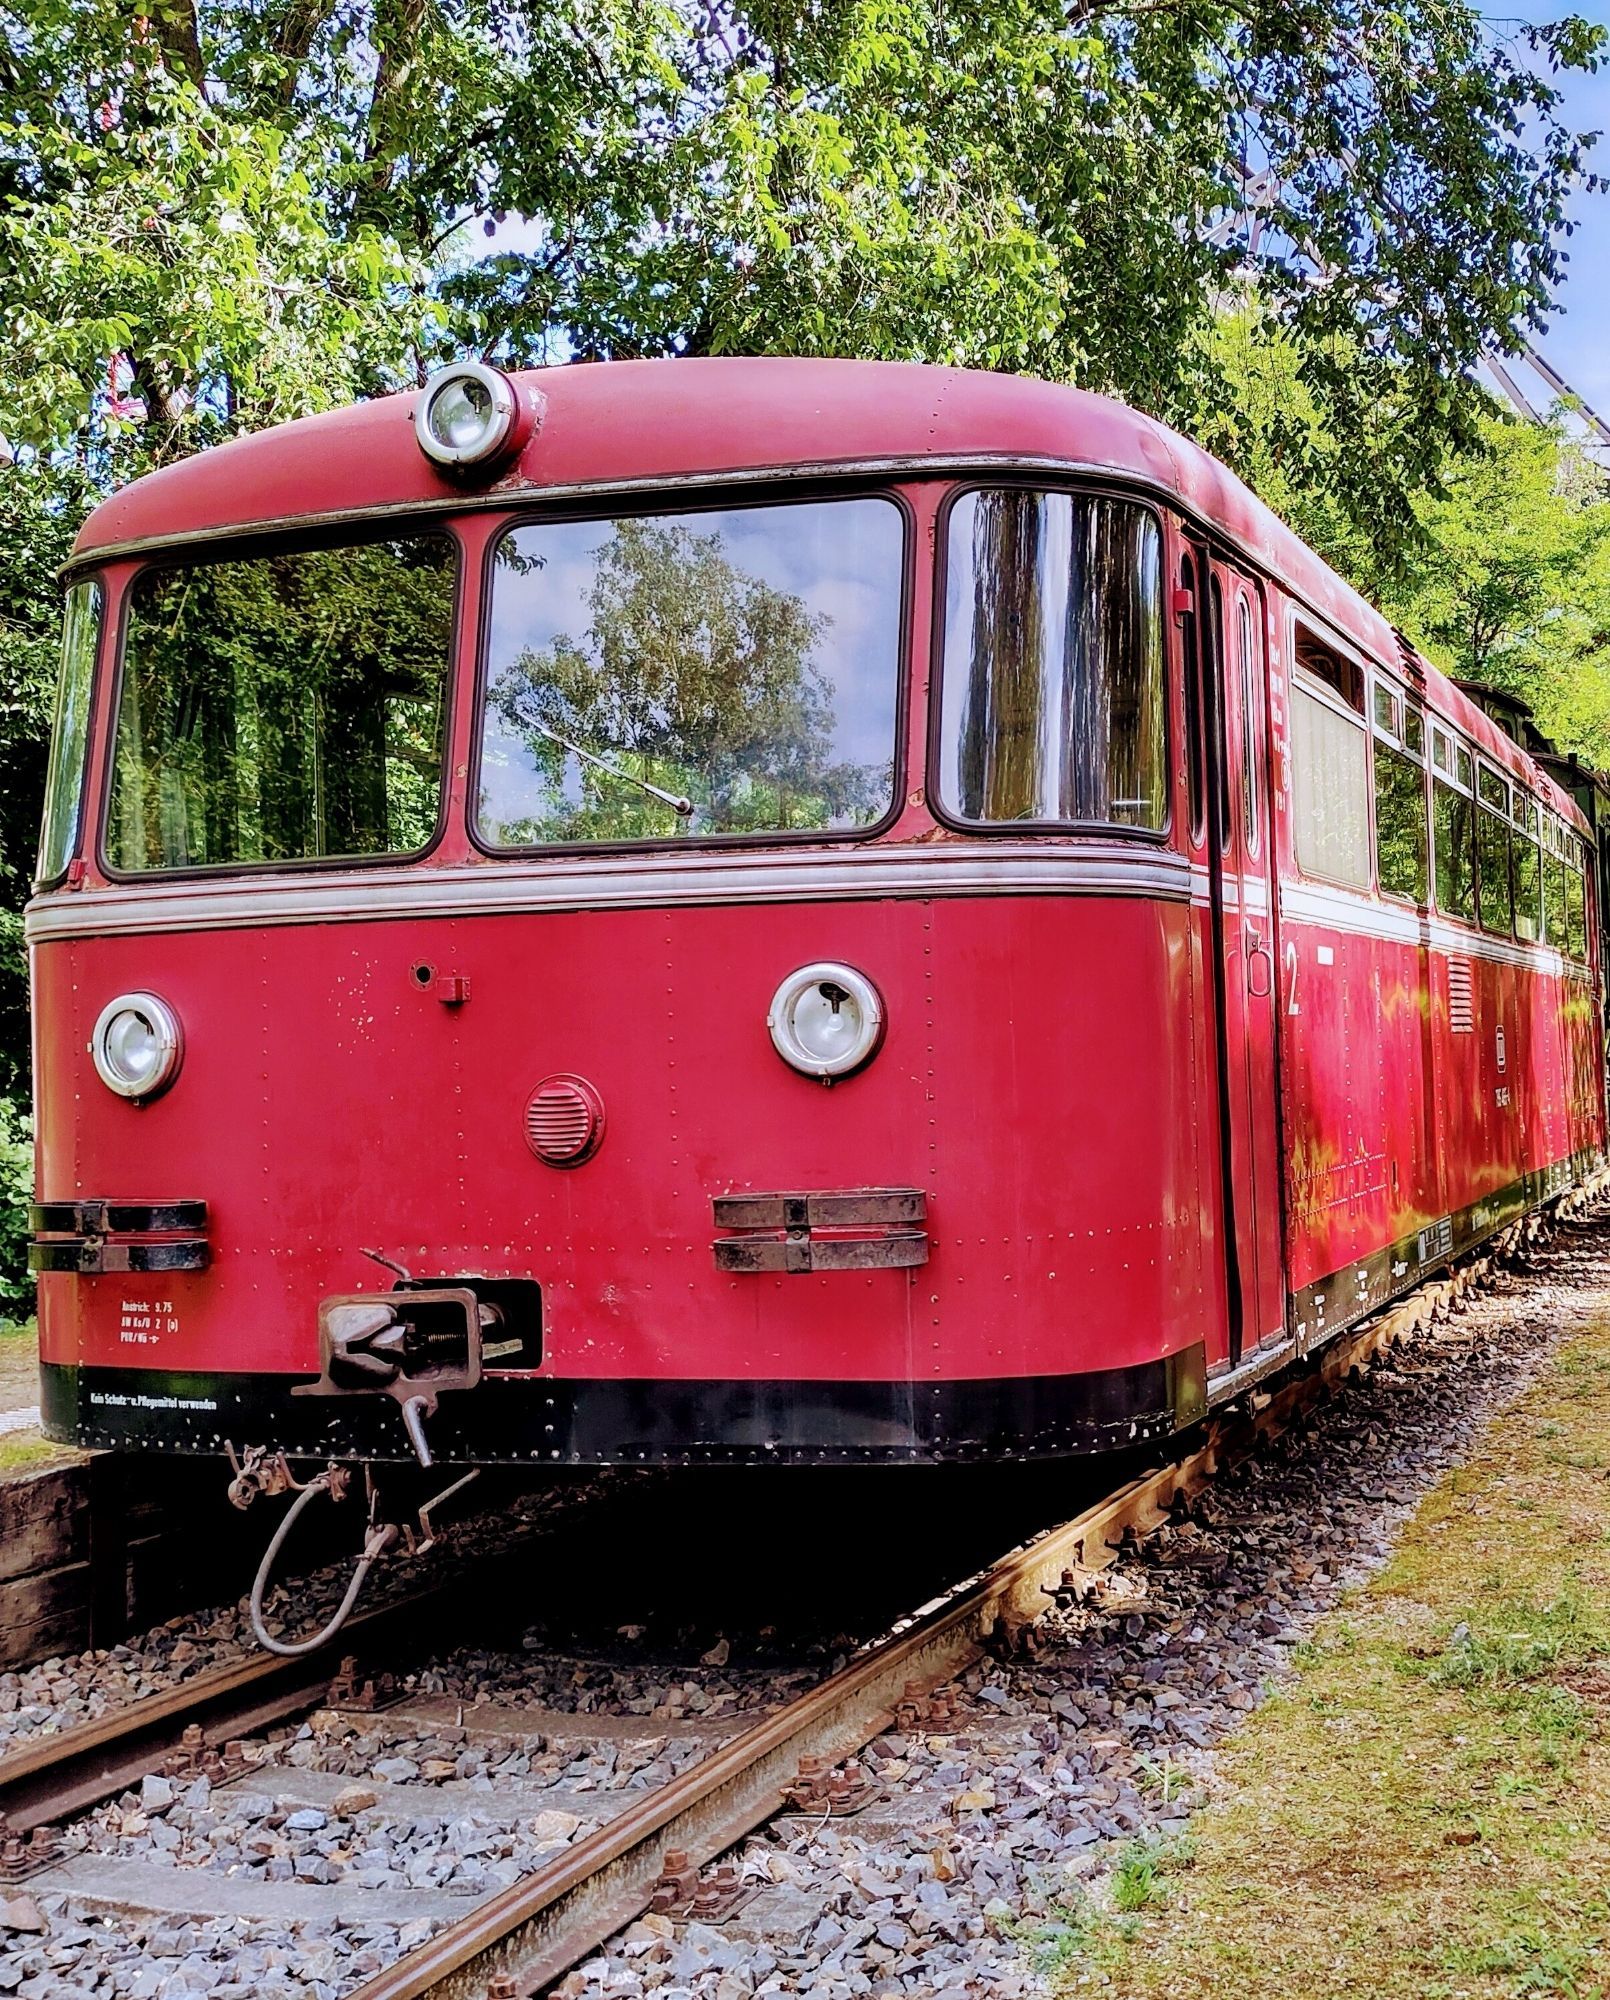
x,y
64,780
283,707
728,672
1053,698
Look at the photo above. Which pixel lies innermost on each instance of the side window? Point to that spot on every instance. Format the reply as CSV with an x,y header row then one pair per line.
x,y
1554,876
64,775
1453,835
1492,851
1330,766
1250,684
1401,841
1528,872
1576,914
1190,632
1323,663
1217,639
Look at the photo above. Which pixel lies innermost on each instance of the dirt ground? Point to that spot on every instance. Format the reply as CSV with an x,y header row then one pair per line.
x,y
19,1368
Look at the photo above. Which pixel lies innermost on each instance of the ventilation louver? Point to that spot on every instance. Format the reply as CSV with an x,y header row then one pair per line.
x,y
1461,1000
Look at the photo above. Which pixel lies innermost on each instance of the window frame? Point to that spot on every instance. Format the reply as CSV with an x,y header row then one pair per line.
x,y
1525,828
1576,867
1301,680
1187,655
1175,551
1393,733
245,548
696,498
1219,603
1449,778
1503,820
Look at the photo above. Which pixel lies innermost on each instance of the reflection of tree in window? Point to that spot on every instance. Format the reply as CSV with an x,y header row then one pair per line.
x,y
691,675
1555,873
1056,703
1492,857
284,706
1576,918
1528,888
1453,844
1004,723
1400,824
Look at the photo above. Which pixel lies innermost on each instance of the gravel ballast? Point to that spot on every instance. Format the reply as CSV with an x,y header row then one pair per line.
x,y
1029,1779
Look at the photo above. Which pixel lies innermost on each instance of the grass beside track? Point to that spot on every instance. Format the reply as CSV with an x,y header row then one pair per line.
x,y
1424,1812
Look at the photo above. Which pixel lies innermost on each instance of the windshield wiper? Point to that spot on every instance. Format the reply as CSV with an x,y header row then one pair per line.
x,y
681,806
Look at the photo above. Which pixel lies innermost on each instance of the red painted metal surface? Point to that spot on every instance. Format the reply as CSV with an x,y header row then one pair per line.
x,y
1050,1077
328,1107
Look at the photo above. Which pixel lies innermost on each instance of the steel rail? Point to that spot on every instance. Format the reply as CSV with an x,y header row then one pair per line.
x,y
524,1938
59,1774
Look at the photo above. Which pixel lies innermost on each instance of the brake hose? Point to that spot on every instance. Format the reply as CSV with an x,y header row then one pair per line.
x,y
374,1545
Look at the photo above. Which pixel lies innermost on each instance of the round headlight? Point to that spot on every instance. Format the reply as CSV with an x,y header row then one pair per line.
x,y
469,414
137,1045
826,1020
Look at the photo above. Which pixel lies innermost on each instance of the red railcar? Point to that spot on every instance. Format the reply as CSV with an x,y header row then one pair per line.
x,y
760,910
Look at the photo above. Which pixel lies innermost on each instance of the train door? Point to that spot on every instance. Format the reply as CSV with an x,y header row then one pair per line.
x,y
1250,955
1232,713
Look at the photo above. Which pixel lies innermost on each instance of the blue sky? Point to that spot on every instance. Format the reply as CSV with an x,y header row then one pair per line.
x,y
1577,340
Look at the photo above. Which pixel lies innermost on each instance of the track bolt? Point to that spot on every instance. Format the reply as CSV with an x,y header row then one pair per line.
x,y
503,1987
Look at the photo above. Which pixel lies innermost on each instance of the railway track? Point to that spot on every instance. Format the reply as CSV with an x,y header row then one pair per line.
x,y
635,1848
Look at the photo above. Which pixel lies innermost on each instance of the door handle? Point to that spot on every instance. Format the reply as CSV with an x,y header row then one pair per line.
x,y
1260,950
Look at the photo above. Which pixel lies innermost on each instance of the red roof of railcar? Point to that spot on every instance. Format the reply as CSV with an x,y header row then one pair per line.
x,y
643,423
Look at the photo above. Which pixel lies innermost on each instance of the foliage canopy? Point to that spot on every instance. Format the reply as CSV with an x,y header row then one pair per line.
x,y
219,215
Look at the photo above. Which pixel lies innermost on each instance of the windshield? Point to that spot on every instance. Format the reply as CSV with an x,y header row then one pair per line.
x,y
64,780
734,671
283,707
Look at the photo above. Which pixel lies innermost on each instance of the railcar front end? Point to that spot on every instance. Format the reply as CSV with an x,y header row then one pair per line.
x,y
666,940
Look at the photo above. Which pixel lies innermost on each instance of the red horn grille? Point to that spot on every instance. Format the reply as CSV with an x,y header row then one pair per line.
x,y
564,1121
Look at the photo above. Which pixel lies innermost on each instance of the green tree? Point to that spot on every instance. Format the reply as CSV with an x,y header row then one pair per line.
x,y
1504,574
252,210
39,510
1511,583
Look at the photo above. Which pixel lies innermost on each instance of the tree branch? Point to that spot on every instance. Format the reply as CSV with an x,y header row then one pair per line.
x,y
180,34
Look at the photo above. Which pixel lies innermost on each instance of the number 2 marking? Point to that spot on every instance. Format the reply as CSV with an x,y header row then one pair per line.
x,y
1291,974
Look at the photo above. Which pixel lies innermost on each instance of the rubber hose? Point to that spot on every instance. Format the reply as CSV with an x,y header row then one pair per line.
x,y
287,1648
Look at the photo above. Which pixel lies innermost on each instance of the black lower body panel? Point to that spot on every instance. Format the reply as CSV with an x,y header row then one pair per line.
x,y
533,1419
